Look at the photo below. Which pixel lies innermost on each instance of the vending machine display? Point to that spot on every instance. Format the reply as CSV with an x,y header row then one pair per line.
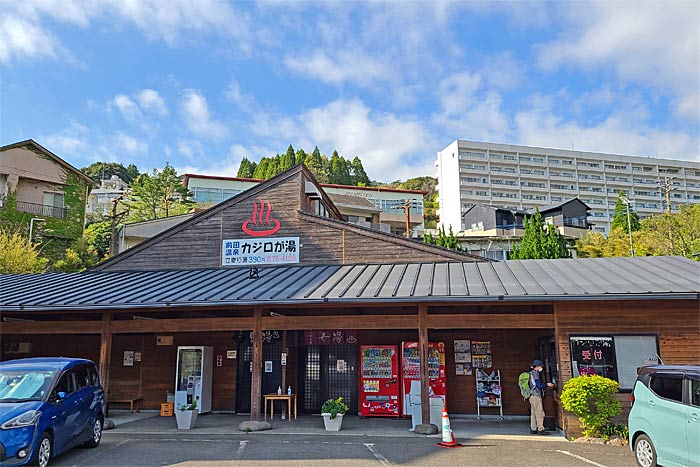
x,y
410,371
193,377
379,381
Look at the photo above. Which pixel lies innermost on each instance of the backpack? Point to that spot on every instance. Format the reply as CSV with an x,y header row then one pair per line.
x,y
524,384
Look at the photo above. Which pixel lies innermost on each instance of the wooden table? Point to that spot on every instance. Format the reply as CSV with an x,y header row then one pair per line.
x,y
281,397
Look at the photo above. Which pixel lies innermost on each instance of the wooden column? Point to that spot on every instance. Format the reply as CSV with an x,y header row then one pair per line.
x,y
256,382
423,344
105,350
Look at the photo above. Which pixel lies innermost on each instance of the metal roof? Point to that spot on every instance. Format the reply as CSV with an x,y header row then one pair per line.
x,y
527,280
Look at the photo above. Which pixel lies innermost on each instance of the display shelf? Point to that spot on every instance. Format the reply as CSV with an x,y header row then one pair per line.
x,y
489,391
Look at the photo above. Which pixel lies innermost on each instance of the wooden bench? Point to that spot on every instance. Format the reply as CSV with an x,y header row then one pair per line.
x,y
134,404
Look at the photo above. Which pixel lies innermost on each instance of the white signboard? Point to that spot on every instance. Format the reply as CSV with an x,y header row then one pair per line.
x,y
254,251
128,358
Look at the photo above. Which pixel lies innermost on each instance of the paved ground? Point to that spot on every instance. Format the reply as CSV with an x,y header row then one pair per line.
x,y
190,450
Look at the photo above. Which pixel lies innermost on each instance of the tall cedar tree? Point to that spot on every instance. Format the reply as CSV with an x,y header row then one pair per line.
x,y
539,241
619,220
358,174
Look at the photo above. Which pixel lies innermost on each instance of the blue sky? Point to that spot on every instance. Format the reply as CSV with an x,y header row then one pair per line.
x,y
203,83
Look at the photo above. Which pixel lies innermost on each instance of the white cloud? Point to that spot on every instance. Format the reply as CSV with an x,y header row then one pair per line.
x,y
198,118
391,146
129,144
342,66
21,39
151,101
650,42
127,107
234,94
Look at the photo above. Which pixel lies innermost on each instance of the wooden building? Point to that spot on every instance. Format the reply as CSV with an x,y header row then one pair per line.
x,y
257,275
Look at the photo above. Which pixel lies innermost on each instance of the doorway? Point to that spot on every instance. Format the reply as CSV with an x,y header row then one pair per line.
x,y
327,372
271,380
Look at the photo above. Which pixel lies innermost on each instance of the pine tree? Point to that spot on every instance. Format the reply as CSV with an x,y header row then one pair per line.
x,y
540,242
358,175
339,170
300,157
273,168
261,168
619,220
245,170
288,160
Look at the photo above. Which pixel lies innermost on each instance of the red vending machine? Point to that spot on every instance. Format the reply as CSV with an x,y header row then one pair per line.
x,y
410,372
379,381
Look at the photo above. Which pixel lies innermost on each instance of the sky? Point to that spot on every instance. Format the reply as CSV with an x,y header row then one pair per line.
x,y
203,83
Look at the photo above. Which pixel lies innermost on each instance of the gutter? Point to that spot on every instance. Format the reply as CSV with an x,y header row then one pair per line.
x,y
351,302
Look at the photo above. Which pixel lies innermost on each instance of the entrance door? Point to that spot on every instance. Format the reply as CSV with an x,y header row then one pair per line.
x,y
328,372
271,352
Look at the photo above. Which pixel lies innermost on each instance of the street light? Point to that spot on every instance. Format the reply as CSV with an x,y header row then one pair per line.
x,y
31,226
626,201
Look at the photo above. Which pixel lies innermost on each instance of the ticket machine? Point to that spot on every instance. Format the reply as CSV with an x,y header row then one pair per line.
x,y
193,376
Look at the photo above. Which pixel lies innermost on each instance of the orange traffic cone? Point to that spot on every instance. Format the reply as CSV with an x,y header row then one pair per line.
x,y
448,437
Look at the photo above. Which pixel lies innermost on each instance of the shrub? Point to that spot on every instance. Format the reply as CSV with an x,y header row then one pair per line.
x,y
591,399
621,431
334,407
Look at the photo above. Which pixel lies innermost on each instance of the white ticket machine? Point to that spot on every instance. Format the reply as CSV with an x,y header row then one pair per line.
x,y
193,377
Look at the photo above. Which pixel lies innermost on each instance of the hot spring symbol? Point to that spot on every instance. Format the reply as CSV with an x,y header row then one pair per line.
x,y
261,224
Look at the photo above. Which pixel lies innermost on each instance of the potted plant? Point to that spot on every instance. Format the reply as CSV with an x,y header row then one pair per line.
x,y
186,416
332,412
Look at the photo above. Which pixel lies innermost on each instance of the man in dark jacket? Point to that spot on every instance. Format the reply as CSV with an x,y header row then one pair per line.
x,y
537,392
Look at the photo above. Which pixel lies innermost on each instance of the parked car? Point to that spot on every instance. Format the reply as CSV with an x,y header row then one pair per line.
x,y
664,423
48,406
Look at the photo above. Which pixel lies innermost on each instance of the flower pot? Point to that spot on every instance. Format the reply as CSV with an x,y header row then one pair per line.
x,y
186,419
332,424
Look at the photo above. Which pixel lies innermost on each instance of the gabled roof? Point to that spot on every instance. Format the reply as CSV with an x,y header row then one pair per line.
x,y
49,154
552,207
354,202
254,191
543,280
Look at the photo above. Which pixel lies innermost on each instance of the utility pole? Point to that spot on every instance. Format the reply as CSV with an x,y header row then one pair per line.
x,y
665,188
626,201
114,217
407,209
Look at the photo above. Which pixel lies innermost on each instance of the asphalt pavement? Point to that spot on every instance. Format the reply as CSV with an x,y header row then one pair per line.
x,y
206,450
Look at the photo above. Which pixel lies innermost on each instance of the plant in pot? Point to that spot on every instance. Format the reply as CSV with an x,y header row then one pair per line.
x,y
332,412
186,416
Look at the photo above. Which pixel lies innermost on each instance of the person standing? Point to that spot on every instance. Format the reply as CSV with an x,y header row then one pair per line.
x,y
537,393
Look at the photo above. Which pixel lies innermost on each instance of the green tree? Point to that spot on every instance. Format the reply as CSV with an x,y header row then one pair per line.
x,y
77,258
357,172
273,168
540,241
261,168
339,170
157,195
104,170
17,255
97,237
314,162
619,219
246,168
288,160
443,240
299,157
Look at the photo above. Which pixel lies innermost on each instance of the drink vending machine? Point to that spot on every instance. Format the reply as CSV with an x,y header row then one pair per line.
x,y
410,371
379,381
193,377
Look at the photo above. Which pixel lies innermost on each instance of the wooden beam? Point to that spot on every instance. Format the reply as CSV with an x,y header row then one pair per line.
x,y
423,344
300,323
256,383
105,351
181,325
492,321
50,327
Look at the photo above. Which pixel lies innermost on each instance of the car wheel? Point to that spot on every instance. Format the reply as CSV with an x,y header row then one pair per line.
x,y
644,451
43,451
96,434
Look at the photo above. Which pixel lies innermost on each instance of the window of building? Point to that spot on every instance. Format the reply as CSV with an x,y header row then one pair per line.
x,y
481,193
667,386
52,204
509,157
614,356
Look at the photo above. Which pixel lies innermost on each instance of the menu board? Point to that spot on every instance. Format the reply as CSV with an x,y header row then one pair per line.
x,y
481,354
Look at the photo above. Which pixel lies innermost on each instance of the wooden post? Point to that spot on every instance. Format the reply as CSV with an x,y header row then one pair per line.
x,y
284,368
256,377
423,344
105,350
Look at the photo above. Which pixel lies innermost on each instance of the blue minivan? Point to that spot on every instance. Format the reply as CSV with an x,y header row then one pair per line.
x,y
664,422
48,406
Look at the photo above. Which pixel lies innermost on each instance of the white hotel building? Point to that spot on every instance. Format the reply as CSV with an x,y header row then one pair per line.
x,y
524,177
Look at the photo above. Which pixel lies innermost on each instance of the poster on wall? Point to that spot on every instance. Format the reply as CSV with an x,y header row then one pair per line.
x,y
268,366
463,369
481,347
128,358
482,361
462,346
463,357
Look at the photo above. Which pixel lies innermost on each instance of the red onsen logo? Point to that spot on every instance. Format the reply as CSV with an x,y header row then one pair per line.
x,y
262,224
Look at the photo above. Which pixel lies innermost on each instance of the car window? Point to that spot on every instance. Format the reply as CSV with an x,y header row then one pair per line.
x,y
82,377
667,387
65,384
92,372
695,392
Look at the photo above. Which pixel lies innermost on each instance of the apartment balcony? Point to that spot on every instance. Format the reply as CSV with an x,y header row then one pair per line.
x,y
563,176
539,189
599,180
589,168
41,209
524,173
530,162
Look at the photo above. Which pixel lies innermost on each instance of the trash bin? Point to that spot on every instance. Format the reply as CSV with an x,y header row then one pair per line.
x,y
436,404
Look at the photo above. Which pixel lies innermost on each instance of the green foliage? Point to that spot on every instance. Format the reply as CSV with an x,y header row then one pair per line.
x,y
619,219
652,238
192,406
157,195
591,399
104,170
97,237
430,203
621,431
78,257
17,255
444,240
246,169
334,407
540,241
